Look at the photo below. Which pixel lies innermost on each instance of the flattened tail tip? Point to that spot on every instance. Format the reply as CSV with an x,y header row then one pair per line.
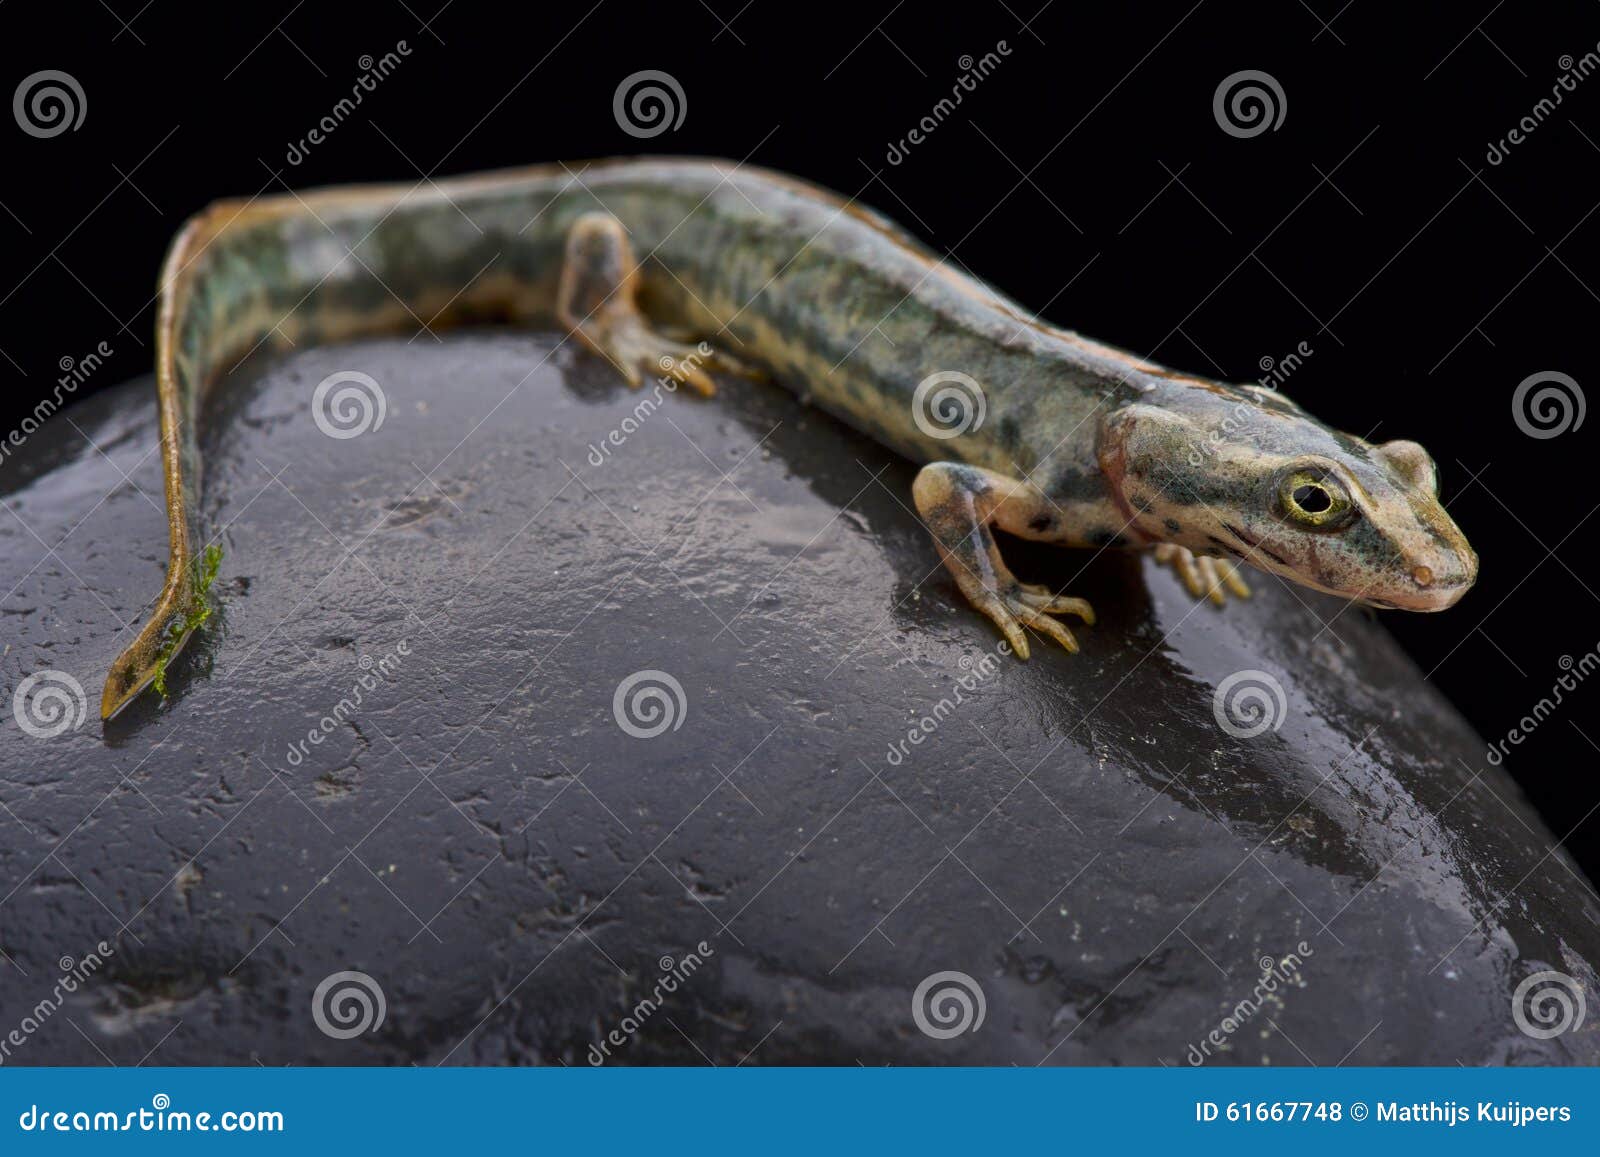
x,y
124,684
157,644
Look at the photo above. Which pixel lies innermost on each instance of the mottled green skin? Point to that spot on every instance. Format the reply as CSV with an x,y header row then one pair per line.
x,y
838,304
834,299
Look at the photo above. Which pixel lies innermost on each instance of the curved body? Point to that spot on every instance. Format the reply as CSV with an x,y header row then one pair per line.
x,y
1027,426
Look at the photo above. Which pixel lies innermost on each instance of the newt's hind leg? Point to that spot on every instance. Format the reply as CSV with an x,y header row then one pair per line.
x,y
598,302
959,504
1210,578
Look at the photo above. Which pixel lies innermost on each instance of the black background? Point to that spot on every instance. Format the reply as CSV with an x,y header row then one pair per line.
x,y
1087,176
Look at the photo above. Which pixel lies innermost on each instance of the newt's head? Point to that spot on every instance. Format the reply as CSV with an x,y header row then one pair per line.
x,y
1248,473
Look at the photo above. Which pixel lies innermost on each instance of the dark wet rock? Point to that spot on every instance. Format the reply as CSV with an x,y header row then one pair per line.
x,y
480,836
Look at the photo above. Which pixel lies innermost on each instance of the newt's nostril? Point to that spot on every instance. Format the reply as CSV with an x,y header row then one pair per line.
x,y
1422,575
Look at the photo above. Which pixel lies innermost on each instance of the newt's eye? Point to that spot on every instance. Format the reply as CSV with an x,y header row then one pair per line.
x,y
1315,499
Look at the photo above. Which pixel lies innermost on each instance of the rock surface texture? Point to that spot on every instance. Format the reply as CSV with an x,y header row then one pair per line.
x,y
543,692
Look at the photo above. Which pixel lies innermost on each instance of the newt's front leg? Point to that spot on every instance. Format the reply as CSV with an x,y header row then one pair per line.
x,y
1204,577
959,504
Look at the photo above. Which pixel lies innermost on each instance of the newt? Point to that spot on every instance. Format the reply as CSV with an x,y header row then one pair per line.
x,y
1017,424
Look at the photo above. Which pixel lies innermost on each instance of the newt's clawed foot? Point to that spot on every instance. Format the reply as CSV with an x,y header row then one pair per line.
x,y
598,303
958,503
1204,577
1026,605
638,352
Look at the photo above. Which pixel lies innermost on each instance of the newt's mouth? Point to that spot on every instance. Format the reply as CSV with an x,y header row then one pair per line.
x,y
1427,591
1434,584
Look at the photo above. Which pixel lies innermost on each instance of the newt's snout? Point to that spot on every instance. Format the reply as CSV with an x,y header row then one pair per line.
x,y
1435,580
